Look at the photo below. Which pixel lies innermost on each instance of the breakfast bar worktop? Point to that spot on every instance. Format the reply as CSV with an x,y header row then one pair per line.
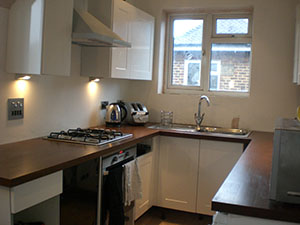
x,y
245,191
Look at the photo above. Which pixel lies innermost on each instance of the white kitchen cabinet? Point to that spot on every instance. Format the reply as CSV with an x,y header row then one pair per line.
x,y
216,160
39,37
140,55
178,172
145,167
191,171
25,196
122,12
132,25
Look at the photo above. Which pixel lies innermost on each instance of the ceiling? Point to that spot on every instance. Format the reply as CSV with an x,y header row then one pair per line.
x,y
6,3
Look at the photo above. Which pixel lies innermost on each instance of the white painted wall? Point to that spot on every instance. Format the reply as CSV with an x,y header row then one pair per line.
x,y
52,103
272,92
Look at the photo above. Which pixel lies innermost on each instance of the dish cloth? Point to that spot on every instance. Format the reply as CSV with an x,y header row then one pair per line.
x,y
132,182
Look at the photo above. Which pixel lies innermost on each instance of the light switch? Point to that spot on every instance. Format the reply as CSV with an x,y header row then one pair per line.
x,y
15,108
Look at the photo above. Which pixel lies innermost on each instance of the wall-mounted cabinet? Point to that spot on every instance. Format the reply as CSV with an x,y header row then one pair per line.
x,y
39,37
132,25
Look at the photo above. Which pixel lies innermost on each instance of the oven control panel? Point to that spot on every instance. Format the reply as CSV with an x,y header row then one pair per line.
x,y
118,157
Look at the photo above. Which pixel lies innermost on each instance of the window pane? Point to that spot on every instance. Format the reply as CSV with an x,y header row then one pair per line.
x,y
232,26
187,52
214,81
234,67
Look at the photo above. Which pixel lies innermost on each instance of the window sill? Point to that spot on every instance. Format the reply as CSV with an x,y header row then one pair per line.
x,y
208,93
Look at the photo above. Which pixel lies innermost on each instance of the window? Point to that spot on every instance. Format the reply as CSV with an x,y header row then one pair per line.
x,y
208,52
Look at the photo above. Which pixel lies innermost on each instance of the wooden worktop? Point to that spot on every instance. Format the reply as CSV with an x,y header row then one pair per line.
x,y
245,191
27,160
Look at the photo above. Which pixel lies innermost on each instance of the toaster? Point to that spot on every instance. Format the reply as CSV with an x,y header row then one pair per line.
x,y
137,113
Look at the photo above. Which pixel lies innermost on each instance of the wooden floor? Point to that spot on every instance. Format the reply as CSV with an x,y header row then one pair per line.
x,y
172,217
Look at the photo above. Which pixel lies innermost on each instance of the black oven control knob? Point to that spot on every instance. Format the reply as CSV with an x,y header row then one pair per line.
x,y
126,154
115,159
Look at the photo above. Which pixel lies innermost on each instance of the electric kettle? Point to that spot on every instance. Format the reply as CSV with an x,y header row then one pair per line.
x,y
115,114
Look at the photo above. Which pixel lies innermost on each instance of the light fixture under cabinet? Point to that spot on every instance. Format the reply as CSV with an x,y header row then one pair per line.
x,y
23,77
94,79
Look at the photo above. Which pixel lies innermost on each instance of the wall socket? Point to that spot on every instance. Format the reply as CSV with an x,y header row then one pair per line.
x,y
15,107
104,104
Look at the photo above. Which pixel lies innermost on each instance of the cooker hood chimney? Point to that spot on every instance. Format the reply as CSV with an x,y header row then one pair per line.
x,y
89,31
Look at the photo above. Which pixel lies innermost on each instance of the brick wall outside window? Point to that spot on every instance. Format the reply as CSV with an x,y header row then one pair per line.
x,y
235,71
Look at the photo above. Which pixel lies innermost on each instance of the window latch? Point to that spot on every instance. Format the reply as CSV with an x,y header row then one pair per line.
x,y
203,52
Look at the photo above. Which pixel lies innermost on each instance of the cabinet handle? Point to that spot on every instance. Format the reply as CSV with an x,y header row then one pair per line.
x,y
119,68
293,193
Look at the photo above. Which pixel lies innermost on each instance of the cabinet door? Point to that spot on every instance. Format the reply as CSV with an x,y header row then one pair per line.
x,y
145,168
141,52
121,20
178,170
57,39
25,37
216,161
39,37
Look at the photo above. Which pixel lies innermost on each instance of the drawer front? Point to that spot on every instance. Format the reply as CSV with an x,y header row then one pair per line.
x,y
34,192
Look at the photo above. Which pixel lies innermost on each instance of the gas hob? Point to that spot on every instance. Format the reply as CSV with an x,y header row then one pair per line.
x,y
91,136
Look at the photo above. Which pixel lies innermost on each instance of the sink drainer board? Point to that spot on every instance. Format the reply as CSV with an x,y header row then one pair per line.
x,y
204,129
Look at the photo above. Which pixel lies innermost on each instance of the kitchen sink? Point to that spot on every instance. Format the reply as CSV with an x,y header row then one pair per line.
x,y
218,131
177,127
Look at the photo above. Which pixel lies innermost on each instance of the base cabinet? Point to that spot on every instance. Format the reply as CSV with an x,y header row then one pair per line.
x,y
178,171
221,218
192,170
145,167
36,200
216,160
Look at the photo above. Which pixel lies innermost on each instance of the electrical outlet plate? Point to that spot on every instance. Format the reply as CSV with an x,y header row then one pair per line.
x,y
15,107
104,104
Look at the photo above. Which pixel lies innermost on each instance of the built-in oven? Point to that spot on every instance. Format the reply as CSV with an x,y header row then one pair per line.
x,y
113,210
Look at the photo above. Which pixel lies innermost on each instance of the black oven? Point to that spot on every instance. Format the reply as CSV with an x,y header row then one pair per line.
x,y
112,206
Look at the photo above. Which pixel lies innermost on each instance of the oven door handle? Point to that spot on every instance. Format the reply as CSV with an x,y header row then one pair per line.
x,y
293,193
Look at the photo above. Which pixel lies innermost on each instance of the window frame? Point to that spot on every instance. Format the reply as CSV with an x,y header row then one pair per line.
x,y
169,87
232,16
209,37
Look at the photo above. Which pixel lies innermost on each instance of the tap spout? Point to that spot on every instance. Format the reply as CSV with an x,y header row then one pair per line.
x,y
199,118
203,97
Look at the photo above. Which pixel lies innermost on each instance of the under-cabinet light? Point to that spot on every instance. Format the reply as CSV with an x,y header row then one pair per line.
x,y
23,77
94,79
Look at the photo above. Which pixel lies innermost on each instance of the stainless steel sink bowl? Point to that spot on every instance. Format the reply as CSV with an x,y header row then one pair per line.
x,y
177,127
218,131
224,130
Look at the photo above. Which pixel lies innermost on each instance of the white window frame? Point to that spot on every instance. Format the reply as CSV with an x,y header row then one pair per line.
x,y
209,37
232,16
186,68
169,87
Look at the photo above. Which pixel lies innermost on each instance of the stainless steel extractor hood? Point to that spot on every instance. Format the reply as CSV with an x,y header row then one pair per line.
x,y
89,31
